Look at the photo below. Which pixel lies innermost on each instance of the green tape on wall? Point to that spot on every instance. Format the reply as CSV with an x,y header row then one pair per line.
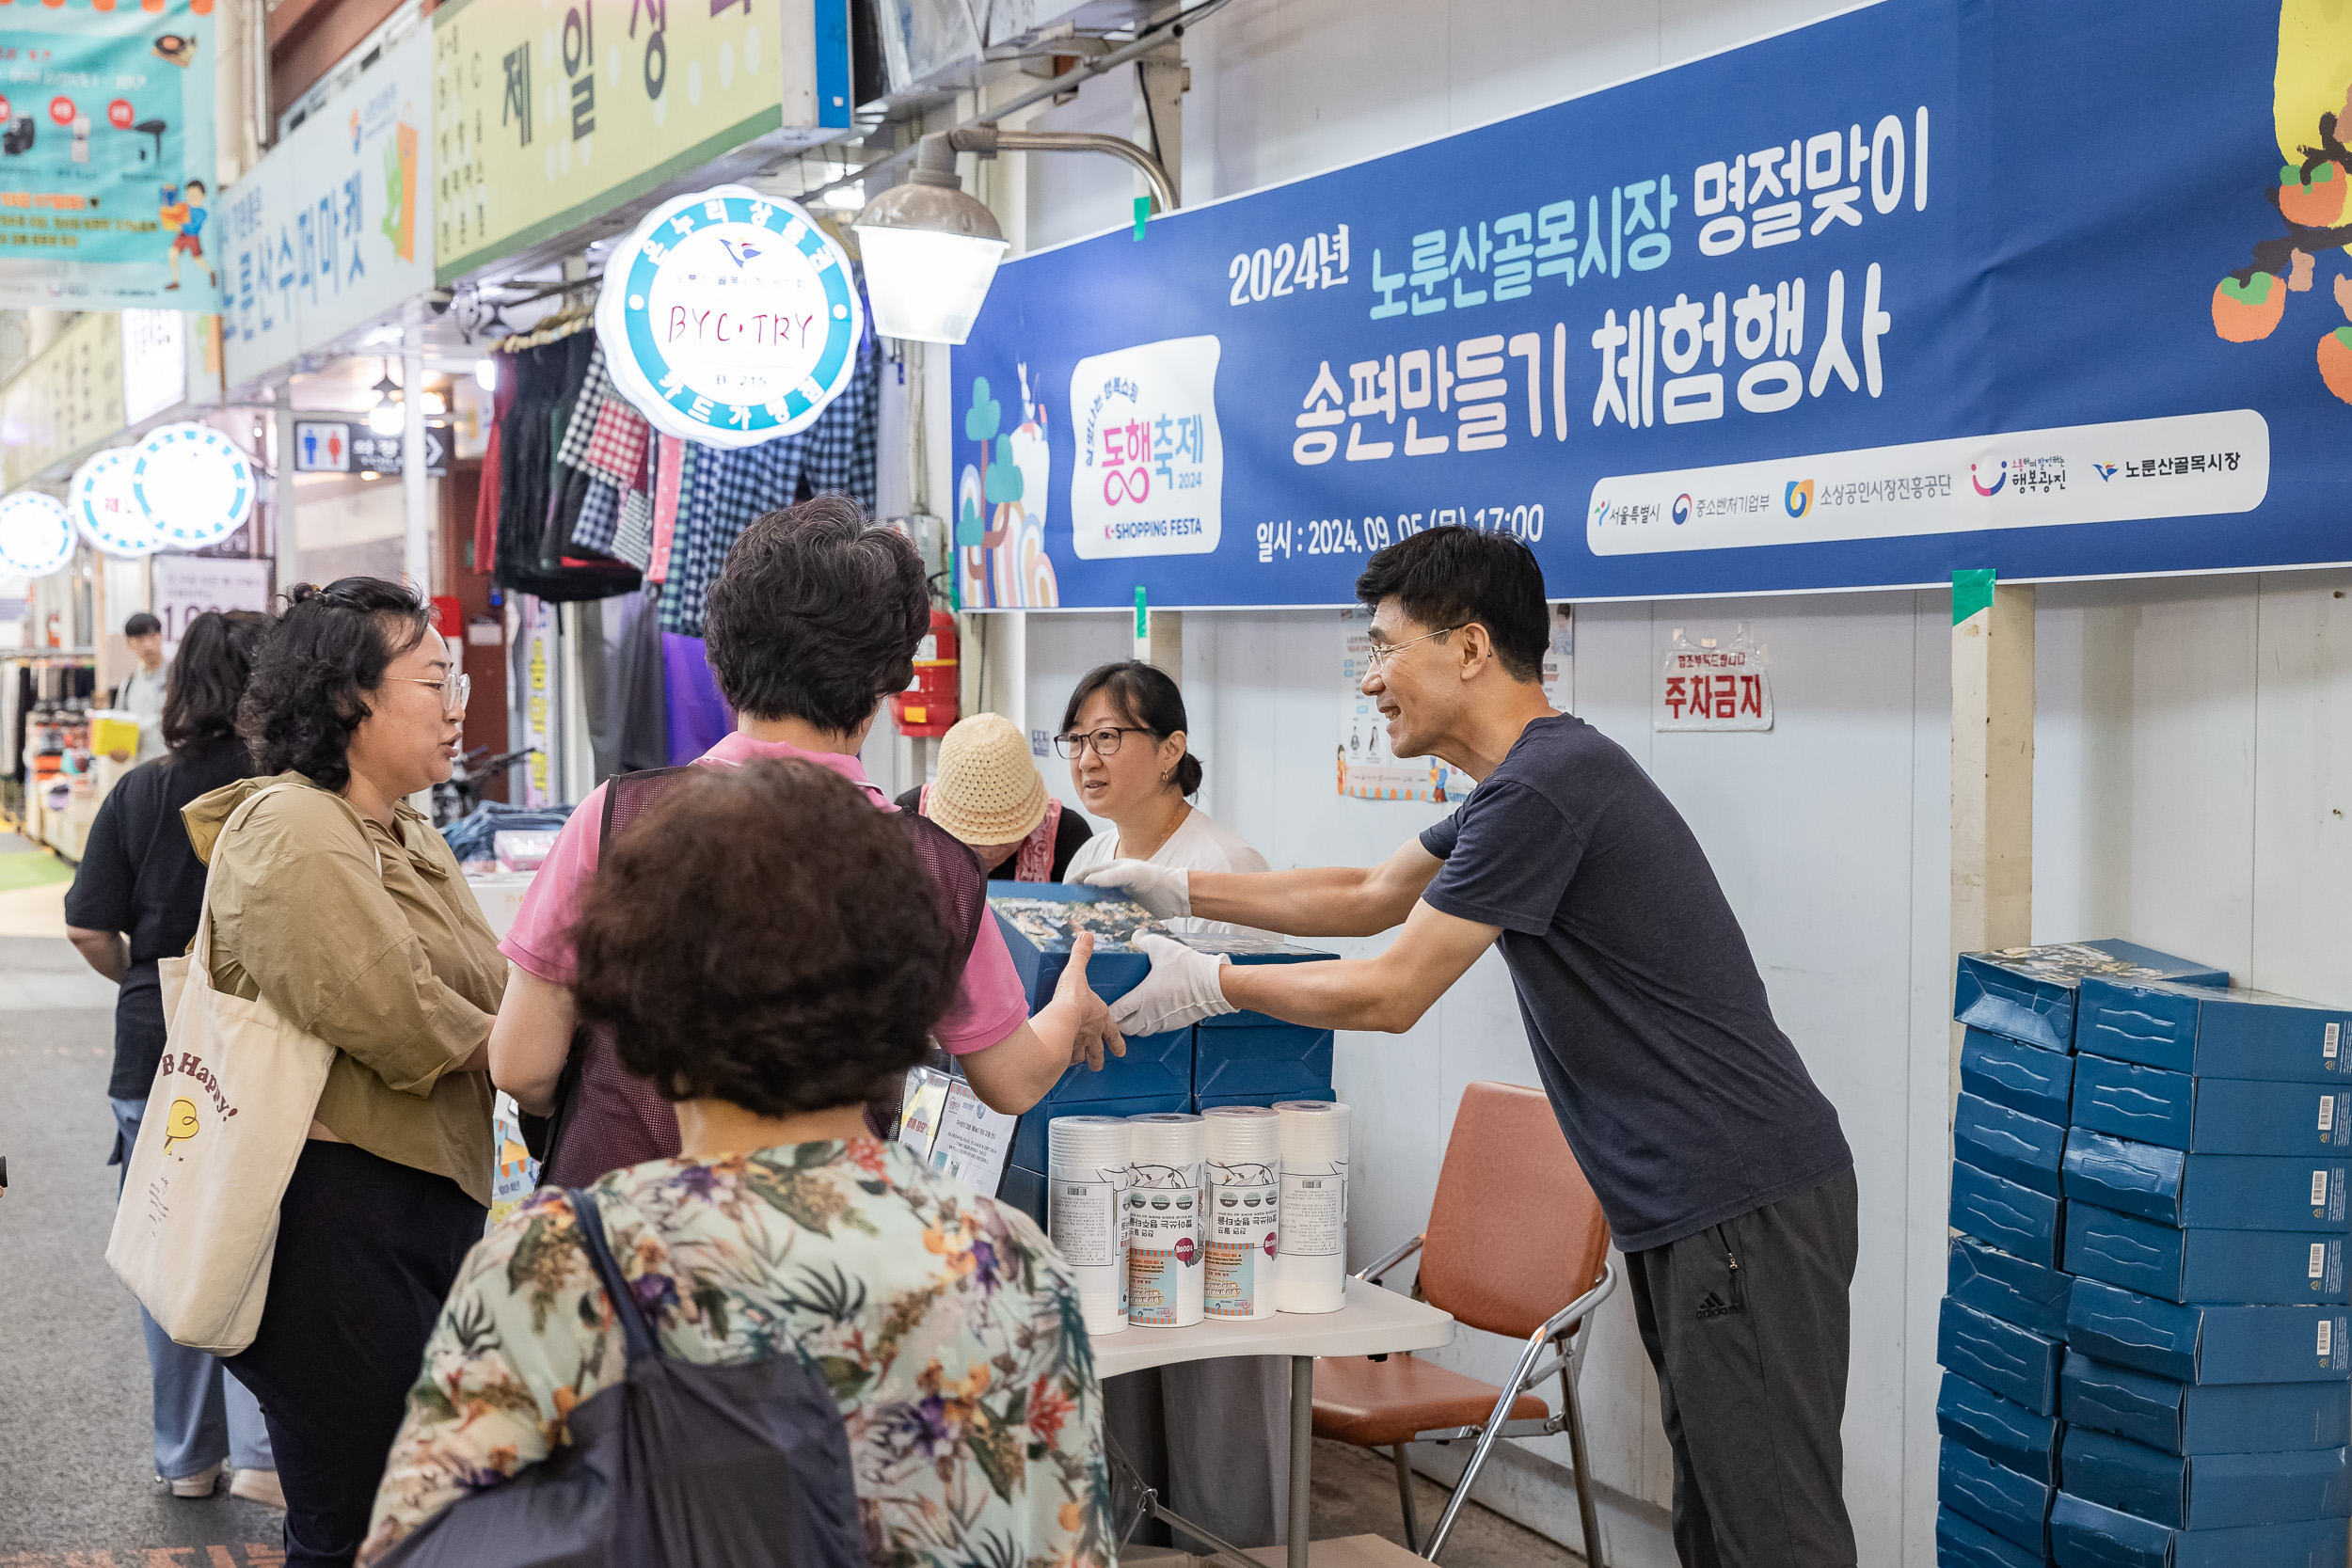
x,y
1971,591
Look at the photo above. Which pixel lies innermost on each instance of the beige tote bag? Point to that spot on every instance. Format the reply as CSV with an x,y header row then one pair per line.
x,y
226,1121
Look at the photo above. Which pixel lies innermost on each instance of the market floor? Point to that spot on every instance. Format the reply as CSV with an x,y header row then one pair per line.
x,y
76,1484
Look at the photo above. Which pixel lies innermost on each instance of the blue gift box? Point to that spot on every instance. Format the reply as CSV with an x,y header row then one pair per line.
x,y
2012,1506
2009,1288
1114,968
2211,1491
2015,1363
1249,1058
2257,1267
2181,1418
2029,1078
2016,1219
2029,994
2010,1144
2003,1430
2213,1192
1154,1065
1961,1542
2218,1034
1025,1191
2207,1344
2209,1116
2083,1534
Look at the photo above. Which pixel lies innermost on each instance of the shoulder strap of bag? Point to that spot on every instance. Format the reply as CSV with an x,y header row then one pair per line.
x,y
639,1335
200,955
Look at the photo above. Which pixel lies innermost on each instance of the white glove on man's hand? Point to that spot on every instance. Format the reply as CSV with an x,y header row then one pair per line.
x,y
1183,987
1166,892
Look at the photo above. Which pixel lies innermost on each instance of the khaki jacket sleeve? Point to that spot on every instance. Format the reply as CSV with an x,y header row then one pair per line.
x,y
301,907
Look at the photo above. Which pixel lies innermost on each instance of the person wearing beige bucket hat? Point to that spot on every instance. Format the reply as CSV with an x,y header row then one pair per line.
x,y
990,795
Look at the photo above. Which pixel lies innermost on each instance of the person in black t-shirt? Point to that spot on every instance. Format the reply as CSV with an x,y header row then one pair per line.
x,y
1724,1172
136,900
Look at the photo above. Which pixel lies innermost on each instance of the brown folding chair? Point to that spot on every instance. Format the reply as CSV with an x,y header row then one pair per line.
x,y
1513,1233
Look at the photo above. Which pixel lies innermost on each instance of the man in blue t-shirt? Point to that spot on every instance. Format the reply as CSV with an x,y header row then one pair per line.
x,y
1722,1168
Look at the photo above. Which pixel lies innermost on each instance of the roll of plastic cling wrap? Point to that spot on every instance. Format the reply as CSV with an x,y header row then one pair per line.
x,y
1310,1264
1087,1157
1164,1235
1243,1168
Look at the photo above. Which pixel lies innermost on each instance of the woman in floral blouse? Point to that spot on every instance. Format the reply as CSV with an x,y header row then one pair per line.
x,y
766,948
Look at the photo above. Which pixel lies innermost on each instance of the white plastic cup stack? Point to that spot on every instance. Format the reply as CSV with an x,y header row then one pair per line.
x,y
1244,1167
1086,1177
1311,1262
1165,1250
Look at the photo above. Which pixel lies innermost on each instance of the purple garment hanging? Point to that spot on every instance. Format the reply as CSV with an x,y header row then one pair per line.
x,y
699,717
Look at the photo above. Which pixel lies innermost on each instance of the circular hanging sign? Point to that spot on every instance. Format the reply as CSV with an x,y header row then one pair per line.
x,y
193,484
36,536
106,509
729,318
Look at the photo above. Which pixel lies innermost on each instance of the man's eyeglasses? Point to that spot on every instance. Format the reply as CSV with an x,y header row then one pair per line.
x,y
456,689
1380,653
1105,740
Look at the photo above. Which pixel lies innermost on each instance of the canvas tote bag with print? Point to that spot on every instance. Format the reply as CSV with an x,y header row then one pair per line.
x,y
226,1121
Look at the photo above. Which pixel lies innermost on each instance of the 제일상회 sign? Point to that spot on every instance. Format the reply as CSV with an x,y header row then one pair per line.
x,y
1838,308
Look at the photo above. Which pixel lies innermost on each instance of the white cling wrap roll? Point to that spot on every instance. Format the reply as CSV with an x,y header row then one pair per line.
x,y
1244,1173
1165,1254
1311,1257
1088,1159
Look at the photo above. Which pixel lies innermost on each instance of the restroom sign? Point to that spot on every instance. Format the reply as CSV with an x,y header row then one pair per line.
x,y
729,318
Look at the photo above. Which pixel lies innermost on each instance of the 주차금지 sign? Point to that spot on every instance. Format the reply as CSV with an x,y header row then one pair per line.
x,y
106,156
545,116
1843,307
729,318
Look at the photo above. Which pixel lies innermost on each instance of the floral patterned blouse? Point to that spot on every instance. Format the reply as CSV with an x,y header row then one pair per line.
x,y
945,1323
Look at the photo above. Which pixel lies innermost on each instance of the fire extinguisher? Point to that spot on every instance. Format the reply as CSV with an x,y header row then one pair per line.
x,y
927,706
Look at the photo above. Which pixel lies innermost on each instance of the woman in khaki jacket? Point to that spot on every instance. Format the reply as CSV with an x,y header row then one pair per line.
x,y
336,902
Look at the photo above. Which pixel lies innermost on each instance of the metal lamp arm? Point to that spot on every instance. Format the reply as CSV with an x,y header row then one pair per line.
x,y
989,140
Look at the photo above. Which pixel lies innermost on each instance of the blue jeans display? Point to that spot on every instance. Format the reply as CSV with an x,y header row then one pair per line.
x,y
203,1415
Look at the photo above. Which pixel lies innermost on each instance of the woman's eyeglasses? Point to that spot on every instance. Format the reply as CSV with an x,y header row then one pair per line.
x,y
456,689
1105,740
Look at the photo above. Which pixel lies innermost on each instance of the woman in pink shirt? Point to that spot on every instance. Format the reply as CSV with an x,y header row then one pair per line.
x,y
812,624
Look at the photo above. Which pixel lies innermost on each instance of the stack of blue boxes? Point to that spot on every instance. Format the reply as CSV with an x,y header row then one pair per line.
x,y
1236,1059
2002,1334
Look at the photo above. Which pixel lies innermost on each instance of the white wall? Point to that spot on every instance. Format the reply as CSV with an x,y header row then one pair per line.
x,y
2194,769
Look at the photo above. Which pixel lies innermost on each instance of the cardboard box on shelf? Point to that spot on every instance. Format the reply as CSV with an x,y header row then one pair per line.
x,y
2213,1491
2181,1418
2210,1115
2003,1430
2016,1219
2010,1144
2029,1078
2029,994
2012,1506
2214,1032
2214,1191
2015,1363
2208,1343
2083,1534
2009,1288
2274,1268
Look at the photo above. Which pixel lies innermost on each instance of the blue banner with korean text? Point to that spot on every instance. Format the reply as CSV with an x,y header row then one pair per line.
x,y
1928,285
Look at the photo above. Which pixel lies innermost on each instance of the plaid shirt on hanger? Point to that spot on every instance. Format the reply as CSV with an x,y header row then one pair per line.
x,y
583,428
616,444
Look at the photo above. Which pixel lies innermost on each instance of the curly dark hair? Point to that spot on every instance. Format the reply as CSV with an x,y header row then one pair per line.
x,y
765,937
1148,699
816,615
208,679
309,688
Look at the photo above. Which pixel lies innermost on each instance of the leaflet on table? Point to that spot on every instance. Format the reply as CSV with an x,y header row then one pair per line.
x,y
1838,309
971,1140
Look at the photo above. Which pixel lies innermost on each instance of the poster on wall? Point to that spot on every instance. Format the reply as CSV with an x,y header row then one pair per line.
x,y
1368,770
1714,683
334,227
188,585
106,184
1868,320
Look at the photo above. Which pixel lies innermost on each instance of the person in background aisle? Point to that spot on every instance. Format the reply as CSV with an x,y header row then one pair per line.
x,y
766,947
1212,1437
1722,1169
1124,732
990,795
136,897
813,622
143,690
335,901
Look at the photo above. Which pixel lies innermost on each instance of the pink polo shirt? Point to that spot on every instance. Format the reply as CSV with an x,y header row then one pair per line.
x,y
989,1002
